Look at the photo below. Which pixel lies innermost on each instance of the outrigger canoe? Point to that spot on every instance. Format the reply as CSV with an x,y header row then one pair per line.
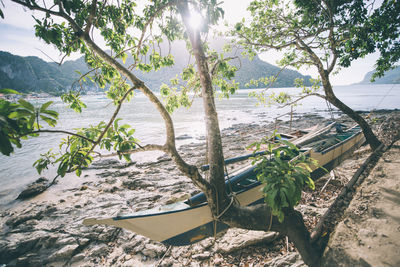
x,y
190,221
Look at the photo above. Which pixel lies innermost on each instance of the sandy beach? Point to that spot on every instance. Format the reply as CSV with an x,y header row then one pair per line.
x,y
47,230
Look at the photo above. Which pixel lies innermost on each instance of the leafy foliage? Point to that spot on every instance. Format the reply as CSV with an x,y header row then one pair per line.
x,y
287,98
285,171
76,152
379,30
330,30
22,119
32,74
74,101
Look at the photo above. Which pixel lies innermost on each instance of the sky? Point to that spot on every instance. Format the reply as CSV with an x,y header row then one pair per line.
x,y
18,37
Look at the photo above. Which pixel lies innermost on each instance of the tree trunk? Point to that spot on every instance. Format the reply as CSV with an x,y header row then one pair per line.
x,y
259,217
218,198
372,140
256,217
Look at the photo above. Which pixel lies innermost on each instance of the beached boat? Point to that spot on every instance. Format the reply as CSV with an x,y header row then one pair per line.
x,y
190,221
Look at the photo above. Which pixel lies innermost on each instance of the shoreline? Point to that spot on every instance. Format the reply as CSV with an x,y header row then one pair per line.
x,y
47,229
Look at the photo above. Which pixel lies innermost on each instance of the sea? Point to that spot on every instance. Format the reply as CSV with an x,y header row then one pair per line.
x,y
16,171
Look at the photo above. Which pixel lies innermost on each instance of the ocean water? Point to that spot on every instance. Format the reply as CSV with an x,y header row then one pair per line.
x,y
16,171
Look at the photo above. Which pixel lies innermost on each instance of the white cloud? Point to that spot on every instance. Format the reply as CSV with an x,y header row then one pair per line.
x,y
17,16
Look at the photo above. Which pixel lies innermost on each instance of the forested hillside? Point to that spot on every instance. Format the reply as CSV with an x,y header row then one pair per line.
x,y
391,77
32,74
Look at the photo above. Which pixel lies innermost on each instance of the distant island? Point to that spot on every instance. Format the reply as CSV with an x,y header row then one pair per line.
x,y
32,74
391,77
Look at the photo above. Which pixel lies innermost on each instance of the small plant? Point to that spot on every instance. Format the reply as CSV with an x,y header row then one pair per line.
x,y
285,171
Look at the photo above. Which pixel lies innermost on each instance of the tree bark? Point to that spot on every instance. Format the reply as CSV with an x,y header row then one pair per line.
x,y
259,217
372,140
218,198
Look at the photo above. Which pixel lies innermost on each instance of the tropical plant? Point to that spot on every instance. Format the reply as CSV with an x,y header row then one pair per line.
x,y
285,171
320,33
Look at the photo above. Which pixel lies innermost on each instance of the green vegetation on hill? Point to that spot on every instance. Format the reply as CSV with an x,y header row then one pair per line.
x,y
390,77
32,74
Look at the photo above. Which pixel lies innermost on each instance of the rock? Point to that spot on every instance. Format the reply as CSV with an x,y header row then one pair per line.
x,y
124,165
159,160
137,184
35,214
292,259
130,246
83,241
64,253
107,174
99,251
105,162
153,251
133,174
83,187
236,239
110,163
132,262
184,137
177,198
78,257
66,241
202,256
167,263
34,189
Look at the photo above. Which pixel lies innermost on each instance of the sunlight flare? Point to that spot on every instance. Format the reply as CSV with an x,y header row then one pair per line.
x,y
196,20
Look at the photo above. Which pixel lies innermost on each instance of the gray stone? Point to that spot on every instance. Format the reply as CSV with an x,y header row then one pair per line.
x,y
34,189
66,241
153,251
78,257
292,259
99,251
137,184
132,262
64,253
236,239
202,256
184,137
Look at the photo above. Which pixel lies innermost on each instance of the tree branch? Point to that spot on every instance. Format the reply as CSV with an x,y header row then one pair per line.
x,y
170,146
149,147
301,98
111,120
91,16
58,131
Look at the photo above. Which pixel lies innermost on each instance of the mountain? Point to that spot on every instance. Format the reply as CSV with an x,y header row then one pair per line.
x,y
390,77
32,74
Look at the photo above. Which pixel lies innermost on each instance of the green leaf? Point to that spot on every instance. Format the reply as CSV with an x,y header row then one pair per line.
x,y
5,144
124,56
62,168
45,106
26,105
52,113
31,121
50,121
9,92
116,123
20,113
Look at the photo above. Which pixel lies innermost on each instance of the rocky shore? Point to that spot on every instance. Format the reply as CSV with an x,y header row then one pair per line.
x,y
47,230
